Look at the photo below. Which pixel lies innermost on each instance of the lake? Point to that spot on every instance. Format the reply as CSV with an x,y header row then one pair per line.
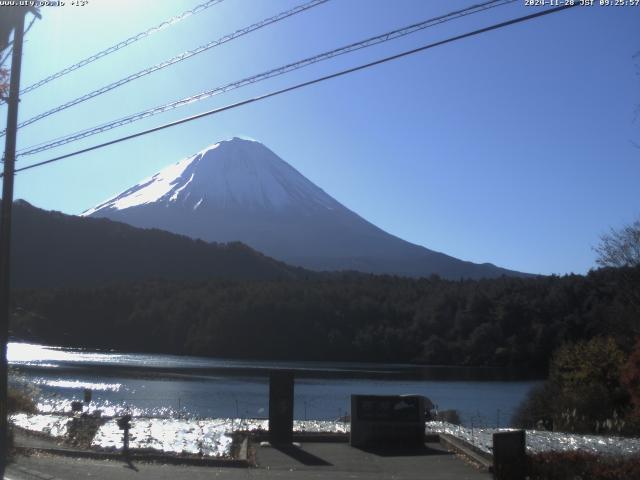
x,y
180,386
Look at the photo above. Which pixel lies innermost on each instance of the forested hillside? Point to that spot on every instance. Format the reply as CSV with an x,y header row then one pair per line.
x,y
51,249
503,322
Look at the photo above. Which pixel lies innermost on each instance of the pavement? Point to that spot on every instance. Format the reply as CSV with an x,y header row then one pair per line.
x,y
34,440
326,460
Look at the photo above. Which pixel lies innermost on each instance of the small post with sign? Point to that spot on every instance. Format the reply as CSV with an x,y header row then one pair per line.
x,y
124,423
76,406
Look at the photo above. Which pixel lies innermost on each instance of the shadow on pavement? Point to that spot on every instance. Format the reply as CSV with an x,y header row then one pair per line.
x,y
403,451
301,455
130,465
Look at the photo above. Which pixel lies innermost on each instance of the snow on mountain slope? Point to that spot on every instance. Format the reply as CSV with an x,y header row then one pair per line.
x,y
238,173
239,190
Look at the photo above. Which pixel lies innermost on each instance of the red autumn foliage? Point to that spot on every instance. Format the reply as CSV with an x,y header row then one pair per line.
x,y
631,379
582,465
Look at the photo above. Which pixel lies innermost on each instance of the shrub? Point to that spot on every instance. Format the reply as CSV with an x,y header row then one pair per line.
x,y
19,401
584,393
631,379
582,465
536,410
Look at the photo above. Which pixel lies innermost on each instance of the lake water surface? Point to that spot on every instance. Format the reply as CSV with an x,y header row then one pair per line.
x,y
175,386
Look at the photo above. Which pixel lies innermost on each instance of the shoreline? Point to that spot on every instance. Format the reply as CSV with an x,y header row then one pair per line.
x,y
323,368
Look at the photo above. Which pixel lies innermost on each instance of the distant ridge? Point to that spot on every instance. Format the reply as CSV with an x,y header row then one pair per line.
x,y
51,249
239,190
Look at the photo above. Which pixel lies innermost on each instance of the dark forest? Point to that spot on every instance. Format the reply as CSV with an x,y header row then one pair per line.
x,y
516,322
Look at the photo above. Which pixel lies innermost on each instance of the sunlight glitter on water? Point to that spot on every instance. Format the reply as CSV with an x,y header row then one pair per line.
x,y
213,437
54,425
32,354
208,437
76,384
197,437
541,441
55,404
58,405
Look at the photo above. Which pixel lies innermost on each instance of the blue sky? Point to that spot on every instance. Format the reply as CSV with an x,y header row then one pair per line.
x,y
515,147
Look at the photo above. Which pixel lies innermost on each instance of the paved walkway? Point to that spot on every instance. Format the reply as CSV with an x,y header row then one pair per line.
x,y
36,440
310,461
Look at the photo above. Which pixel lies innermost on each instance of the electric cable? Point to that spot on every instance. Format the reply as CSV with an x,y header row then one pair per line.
x,y
304,84
114,48
178,58
385,37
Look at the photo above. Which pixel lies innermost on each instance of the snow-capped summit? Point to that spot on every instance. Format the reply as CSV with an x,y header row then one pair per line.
x,y
239,190
234,173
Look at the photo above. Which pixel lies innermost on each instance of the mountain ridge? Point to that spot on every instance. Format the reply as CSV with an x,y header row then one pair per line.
x,y
52,249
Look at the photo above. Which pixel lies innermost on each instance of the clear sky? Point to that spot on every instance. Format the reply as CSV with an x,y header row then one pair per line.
x,y
515,147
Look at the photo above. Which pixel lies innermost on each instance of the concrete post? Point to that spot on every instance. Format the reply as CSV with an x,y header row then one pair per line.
x,y
281,406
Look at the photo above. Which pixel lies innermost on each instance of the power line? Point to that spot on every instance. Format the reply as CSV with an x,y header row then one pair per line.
x,y
178,58
265,75
114,48
385,37
303,84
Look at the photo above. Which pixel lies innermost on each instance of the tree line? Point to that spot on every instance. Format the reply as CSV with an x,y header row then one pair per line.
x,y
515,322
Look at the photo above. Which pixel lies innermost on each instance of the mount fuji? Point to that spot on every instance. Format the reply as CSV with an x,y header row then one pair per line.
x,y
239,190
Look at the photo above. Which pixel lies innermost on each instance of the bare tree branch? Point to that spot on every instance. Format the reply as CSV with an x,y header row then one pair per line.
x,y
620,248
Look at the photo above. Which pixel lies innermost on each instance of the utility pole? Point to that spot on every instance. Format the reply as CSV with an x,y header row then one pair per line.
x,y
5,226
